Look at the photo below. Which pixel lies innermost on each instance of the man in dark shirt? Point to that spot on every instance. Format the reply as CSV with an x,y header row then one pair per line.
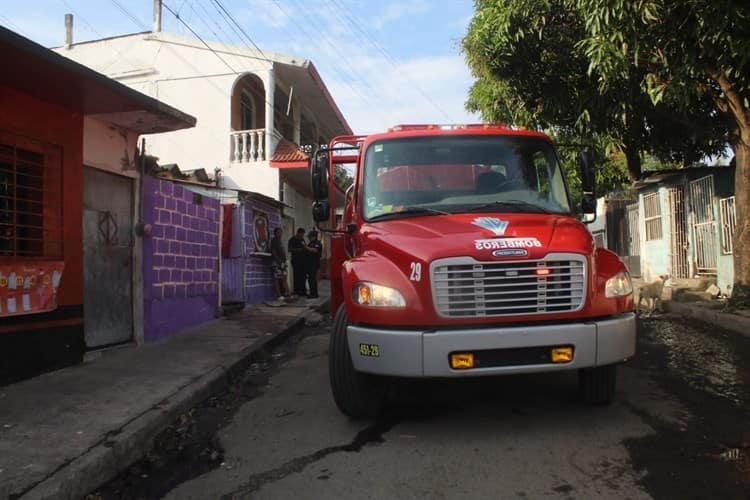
x,y
315,248
298,251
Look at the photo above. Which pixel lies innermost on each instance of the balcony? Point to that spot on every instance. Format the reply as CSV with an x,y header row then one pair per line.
x,y
250,145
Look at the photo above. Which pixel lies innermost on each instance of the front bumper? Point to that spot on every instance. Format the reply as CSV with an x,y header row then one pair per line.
x,y
425,353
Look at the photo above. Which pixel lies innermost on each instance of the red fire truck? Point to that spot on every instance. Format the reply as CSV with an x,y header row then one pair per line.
x,y
459,254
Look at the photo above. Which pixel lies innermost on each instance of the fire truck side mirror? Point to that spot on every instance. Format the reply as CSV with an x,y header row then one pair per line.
x,y
588,171
588,204
588,182
319,175
321,211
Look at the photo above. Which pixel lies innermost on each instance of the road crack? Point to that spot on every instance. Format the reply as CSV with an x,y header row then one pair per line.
x,y
371,434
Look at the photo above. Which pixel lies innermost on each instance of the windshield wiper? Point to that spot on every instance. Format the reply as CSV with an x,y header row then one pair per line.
x,y
528,207
409,211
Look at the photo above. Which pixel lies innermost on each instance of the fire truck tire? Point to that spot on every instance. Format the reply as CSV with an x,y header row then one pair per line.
x,y
597,385
358,395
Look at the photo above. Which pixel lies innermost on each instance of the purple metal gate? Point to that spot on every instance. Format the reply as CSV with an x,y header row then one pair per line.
x,y
233,266
232,286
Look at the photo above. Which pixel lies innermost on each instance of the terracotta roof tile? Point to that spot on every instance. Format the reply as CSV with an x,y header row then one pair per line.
x,y
288,152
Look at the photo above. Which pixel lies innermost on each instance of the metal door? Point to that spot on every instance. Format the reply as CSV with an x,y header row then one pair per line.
x,y
634,241
678,245
728,224
233,260
107,258
704,225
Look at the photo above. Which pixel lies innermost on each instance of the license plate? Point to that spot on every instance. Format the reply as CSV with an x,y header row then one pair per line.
x,y
369,350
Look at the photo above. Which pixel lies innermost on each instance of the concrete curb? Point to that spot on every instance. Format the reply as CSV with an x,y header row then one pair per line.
x,y
733,322
123,447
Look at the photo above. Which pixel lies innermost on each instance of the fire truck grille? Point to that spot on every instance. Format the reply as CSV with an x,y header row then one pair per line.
x,y
478,289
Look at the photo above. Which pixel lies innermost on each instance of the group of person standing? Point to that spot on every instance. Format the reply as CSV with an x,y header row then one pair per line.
x,y
305,263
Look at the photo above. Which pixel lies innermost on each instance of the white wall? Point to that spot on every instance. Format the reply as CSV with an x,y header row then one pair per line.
x,y
180,72
300,209
188,78
599,226
257,177
108,147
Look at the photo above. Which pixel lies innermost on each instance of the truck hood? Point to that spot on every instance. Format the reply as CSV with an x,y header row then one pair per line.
x,y
483,236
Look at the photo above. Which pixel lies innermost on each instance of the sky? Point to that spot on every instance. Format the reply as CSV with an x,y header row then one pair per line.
x,y
384,61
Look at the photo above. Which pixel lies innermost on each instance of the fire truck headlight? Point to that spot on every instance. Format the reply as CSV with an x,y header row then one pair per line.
x,y
618,285
372,295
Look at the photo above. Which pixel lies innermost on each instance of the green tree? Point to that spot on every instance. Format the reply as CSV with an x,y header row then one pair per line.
x,y
685,50
611,172
531,69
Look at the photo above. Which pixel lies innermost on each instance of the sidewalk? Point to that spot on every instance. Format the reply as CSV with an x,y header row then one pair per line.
x,y
64,433
710,312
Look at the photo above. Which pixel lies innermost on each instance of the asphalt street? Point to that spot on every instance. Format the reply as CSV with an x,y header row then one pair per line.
x,y
679,428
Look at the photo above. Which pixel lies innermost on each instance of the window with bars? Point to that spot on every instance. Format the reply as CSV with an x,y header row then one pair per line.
x,y
728,223
652,216
31,220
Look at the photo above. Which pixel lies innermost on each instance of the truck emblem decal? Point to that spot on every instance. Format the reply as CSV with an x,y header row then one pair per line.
x,y
511,252
492,244
497,226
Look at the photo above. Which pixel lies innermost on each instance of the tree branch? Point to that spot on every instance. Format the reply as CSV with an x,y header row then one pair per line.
x,y
733,103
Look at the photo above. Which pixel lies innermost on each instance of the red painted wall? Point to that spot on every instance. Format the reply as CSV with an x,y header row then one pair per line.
x,y
34,119
35,343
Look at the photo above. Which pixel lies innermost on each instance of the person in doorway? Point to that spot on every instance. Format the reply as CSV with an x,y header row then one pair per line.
x,y
298,250
315,249
278,265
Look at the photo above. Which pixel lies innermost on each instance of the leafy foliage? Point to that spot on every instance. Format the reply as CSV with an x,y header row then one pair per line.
x,y
533,66
687,51
342,177
611,172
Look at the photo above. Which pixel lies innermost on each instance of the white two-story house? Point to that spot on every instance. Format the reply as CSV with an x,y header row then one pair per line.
x,y
259,113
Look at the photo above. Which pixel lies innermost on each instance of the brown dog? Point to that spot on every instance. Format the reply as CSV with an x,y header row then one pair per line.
x,y
652,293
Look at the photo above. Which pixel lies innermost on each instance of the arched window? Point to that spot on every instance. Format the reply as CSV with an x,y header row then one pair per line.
x,y
246,111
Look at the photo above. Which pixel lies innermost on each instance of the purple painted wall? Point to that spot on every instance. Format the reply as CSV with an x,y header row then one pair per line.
x,y
180,258
258,279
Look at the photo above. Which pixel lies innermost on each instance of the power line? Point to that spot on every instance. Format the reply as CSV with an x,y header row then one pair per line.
x,y
232,22
108,43
212,133
211,48
183,5
230,40
218,3
10,24
348,70
341,9
139,23
177,16
338,69
127,13
133,18
229,23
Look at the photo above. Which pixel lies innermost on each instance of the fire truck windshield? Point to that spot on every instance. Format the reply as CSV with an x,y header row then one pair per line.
x,y
462,173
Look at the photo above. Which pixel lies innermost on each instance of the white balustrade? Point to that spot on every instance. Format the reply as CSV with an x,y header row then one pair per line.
x,y
248,145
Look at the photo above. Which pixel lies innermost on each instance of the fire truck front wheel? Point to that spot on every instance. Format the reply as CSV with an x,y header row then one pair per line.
x,y
597,385
358,395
